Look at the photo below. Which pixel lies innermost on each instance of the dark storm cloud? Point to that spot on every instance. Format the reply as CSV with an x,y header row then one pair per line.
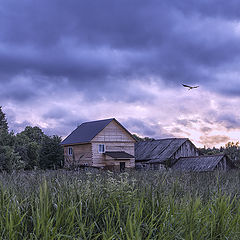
x,y
109,43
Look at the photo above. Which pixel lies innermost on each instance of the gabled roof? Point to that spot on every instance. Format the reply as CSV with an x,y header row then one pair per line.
x,y
157,150
88,130
119,155
200,163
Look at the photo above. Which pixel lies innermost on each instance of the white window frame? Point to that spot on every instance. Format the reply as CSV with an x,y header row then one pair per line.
x,y
70,151
99,148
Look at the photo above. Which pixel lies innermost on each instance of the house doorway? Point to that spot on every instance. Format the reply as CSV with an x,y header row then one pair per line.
x,y
122,166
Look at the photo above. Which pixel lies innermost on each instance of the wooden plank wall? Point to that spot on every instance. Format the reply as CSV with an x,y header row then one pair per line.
x,y
115,139
82,153
186,150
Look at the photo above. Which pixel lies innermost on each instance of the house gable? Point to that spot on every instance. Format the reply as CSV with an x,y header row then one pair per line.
x,y
113,132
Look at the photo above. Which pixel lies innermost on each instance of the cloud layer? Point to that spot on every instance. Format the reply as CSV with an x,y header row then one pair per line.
x,y
64,62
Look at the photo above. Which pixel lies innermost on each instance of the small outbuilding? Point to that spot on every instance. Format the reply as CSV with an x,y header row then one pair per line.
x,y
204,163
162,153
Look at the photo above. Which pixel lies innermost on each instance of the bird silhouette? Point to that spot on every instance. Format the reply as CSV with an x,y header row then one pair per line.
x,y
189,87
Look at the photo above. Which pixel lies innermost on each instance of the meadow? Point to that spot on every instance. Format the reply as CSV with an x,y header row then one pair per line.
x,y
130,205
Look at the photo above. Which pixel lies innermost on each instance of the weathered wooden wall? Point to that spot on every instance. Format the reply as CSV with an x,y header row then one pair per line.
x,y
147,166
186,150
224,164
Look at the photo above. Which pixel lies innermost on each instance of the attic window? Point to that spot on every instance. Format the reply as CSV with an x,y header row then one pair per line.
x,y
70,151
101,148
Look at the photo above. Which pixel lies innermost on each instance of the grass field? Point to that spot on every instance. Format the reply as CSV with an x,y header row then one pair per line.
x,y
105,205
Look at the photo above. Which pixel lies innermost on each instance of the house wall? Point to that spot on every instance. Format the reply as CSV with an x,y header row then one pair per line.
x,y
82,155
115,138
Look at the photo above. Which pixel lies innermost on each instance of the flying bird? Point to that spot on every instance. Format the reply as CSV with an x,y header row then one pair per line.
x,y
190,87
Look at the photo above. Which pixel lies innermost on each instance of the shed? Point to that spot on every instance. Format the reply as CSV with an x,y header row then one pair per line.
x,y
160,153
204,163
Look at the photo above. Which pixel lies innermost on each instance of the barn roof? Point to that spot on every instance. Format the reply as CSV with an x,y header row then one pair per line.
x,y
199,164
88,130
157,150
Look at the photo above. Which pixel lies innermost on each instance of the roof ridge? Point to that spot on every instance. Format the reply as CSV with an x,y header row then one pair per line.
x,y
169,139
215,155
107,119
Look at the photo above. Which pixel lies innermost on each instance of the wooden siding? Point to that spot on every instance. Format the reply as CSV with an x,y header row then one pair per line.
x,y
82,155
187,149
100,160
115,138
113,133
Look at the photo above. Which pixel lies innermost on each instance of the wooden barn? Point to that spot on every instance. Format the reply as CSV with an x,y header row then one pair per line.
x,y
162,153
204,163
102,144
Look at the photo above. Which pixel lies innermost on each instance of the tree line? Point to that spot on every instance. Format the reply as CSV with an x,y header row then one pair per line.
x,y
29,149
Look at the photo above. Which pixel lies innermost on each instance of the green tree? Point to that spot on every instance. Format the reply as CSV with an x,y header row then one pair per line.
x,y
33,151
4,135
140,139
35,134
233,151
9,159
3,122
28,144
51,153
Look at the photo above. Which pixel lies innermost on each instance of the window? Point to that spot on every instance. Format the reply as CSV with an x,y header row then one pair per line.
x,y
70,151
101,148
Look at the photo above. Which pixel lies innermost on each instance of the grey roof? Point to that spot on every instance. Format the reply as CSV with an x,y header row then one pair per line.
x,y
119,155
86,132
157,150
198,164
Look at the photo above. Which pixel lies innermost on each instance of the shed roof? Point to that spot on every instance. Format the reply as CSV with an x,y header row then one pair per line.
x,y
199,164
157,150
88,130
119,155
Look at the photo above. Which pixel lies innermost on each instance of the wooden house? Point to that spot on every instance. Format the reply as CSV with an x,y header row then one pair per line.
x,y
204,163
162,153
102,144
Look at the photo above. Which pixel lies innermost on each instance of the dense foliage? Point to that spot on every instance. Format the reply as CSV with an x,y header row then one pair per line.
x,y
104,205
30,149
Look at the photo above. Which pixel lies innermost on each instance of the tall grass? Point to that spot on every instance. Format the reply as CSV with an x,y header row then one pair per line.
x,y
104,205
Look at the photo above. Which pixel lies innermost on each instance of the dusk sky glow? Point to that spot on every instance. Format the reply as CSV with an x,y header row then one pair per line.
x,y
66,62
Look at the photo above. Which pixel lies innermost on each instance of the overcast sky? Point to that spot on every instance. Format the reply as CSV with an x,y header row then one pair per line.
x,y
65,62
